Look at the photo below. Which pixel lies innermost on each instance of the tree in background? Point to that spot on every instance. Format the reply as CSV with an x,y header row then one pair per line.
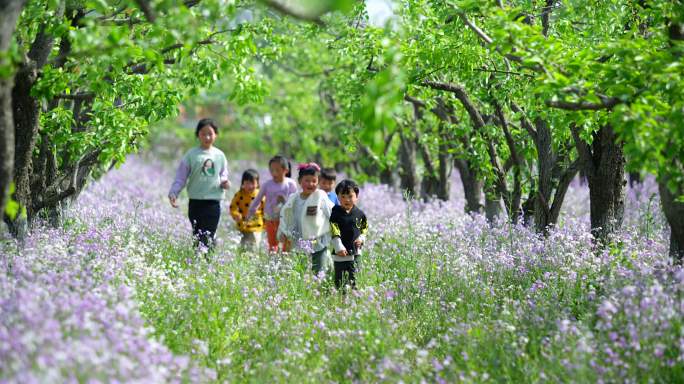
x,y
85,78
518,95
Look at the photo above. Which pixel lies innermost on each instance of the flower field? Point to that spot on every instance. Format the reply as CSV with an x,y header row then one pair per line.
x,y
117,295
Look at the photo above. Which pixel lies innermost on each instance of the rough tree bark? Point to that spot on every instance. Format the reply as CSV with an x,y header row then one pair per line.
x,y
674,212
500,190
370,165
408,175
429,183
26,115
444,164
555,173
472,187
604,165
435,181
515,210
9,13
492,206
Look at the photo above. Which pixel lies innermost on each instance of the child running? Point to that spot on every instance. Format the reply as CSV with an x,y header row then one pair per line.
x,y
205,170
275,192
239,209
348,226
327,183
304,218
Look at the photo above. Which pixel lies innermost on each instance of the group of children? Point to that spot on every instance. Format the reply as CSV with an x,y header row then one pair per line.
x,y
313,218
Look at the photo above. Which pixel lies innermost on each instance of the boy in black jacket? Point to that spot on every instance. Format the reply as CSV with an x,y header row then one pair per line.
x,y
348,226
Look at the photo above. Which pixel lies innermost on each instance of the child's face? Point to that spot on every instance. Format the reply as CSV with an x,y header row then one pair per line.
x,y
277,171
207,136
249,185
326,185
348,199
309,184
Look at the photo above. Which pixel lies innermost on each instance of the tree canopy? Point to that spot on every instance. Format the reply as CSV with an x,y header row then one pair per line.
x,y
518,95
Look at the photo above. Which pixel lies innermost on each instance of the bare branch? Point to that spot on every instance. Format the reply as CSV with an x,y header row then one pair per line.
x,y
582,148
462,96
479,124
53,198
414,101
43,42
562,188
507,133
482,34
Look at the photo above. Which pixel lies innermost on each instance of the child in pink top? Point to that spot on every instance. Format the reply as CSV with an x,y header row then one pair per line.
x,y
276,192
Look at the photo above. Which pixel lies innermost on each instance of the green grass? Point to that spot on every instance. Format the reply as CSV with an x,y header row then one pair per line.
x,y
253,319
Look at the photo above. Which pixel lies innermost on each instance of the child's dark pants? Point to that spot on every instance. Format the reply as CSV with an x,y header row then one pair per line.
x,y
204,216
345,272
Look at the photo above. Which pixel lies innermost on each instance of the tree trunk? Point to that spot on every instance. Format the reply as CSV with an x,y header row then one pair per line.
x,y
7,140
388,177
9,13
472,187
492,206
429,184
604,165
479,124
607,185
26,115
407,165
674,212
26,112
515,208
528,207
368,162
444,165
545,161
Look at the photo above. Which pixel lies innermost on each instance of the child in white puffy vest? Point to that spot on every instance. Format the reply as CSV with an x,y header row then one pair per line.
x,y
305,218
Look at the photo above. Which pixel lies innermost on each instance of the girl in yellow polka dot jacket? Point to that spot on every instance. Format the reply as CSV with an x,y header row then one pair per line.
x,y
252,229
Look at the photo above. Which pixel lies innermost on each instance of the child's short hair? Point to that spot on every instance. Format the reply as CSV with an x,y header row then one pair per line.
x,y
250,175
328,174
284,162
308,169
206,122
346,186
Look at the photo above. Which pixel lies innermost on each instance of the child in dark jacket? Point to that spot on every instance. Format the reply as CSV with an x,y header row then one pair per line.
x,y
348,226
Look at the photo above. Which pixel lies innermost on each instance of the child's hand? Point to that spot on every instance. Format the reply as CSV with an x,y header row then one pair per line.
x,y
342,253
173,202
358,243
225,184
